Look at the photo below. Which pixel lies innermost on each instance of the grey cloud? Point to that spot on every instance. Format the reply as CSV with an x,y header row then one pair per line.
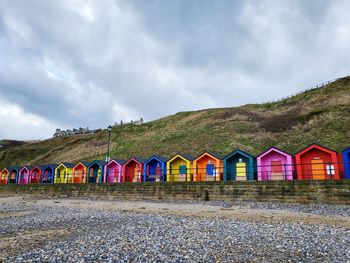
x,y
90,63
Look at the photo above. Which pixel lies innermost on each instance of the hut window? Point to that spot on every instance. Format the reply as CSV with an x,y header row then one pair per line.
x,y
330,169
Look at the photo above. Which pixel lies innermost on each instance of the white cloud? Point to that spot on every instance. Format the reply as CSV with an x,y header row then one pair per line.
x,y
17,124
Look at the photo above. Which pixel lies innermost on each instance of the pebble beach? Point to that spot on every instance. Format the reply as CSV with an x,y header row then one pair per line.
x,y
82,230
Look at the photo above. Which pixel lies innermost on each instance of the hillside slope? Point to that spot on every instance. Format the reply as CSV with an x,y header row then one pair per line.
x,y
320,115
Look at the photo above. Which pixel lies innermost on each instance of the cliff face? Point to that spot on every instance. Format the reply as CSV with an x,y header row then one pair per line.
x,y
320,116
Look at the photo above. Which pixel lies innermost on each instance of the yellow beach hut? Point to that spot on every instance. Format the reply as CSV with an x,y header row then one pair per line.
x,y
179,168
64,173
4,175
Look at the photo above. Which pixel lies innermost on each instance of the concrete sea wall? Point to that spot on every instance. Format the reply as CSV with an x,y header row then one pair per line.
x,y
324,192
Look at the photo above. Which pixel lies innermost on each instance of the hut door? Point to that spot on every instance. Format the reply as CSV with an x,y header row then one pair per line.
x,y
136,174
49,176
115,177
46,176
182,173
158,173
276,170
13,177
210,169
209,172
317,167
241,172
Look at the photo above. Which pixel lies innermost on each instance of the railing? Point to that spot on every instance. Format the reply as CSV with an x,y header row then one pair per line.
x,y
315,170
306,90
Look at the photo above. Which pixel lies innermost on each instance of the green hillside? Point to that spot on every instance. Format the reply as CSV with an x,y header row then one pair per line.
x,y
319,115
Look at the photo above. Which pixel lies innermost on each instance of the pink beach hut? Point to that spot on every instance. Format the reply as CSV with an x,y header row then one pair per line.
x,y
113,171
275,164
24,173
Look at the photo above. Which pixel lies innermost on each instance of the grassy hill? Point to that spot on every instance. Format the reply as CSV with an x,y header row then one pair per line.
x,y
320,115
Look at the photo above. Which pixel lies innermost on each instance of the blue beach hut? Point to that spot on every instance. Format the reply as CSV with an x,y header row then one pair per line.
x,y
13,175
346,162
154,169
48,173
96,171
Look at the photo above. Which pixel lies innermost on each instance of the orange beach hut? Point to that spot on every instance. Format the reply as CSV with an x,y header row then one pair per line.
x,y
208,167
80,171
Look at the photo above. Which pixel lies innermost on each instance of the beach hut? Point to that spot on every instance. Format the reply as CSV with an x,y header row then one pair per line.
x,y
239,166
275,164
96,171
35,175
4,176
179,168
154,169
316,162
346,162
48,173
113,171
23,175
208,167
13,175
64,173
132,170
80,172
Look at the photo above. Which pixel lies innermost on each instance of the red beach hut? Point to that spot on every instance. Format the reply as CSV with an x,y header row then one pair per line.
x,y
132,170
316,162
35,175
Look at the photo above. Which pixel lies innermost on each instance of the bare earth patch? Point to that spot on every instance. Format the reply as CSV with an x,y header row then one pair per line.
x,y
14,214
22,241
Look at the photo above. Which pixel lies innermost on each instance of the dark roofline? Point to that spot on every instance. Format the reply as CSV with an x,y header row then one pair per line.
x,y
52,166
119,161
273,147
159,158
28,167
99,162
315,144
184,155
68,165
237,150
210,153
137,159
17,168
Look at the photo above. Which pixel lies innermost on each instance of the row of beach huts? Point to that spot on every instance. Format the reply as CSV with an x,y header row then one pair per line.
x,y
312,163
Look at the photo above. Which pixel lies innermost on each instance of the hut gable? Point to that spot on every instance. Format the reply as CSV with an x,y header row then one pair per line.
x,y
316,162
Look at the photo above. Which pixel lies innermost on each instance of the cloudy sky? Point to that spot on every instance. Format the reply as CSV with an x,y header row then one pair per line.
x,y
72,63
